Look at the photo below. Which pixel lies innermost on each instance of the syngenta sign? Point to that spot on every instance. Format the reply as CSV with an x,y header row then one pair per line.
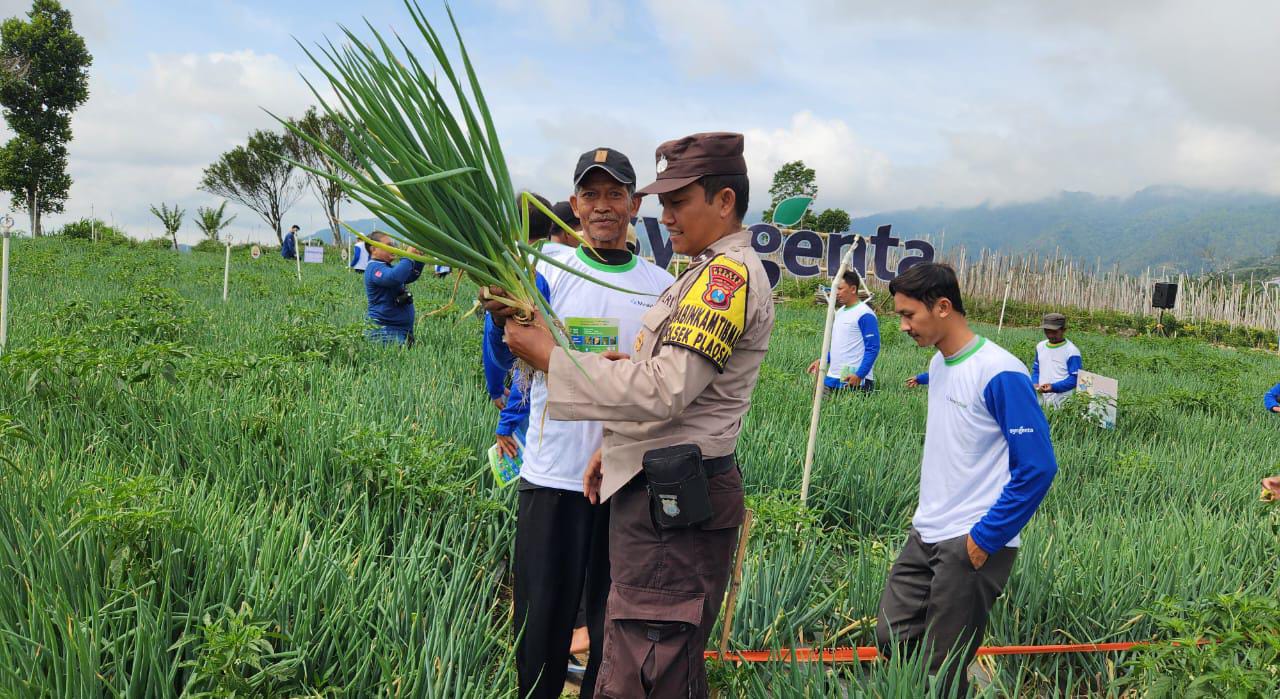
x,y
806,254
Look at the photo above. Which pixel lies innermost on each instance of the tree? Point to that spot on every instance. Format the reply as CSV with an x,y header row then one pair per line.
x,y
211,221
256,176
791,180
36,175
171,219
328,130
44,77
833,221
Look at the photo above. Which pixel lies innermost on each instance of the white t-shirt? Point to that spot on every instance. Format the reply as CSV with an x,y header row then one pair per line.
x,y
1056,363
597,319
848,345
984,426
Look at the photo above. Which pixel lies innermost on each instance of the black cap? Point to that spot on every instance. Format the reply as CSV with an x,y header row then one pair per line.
x,y
611,161
565,213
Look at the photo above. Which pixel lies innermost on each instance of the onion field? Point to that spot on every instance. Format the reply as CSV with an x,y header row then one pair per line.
x,y
248,499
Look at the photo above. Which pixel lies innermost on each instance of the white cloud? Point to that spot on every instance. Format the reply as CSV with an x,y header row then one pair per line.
x,y
150,142
715,37
850,174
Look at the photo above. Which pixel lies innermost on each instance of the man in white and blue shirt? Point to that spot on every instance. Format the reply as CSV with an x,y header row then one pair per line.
x,y
855,340
1056,368
1271,401
987,465
561,547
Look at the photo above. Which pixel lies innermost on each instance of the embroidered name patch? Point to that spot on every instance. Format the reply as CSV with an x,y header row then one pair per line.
x,y
713,312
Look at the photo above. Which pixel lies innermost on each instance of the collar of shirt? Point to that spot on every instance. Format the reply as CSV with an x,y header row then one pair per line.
x,y
733,240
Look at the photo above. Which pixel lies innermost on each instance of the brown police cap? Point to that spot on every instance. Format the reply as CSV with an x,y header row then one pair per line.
x,y
1053,321
683,161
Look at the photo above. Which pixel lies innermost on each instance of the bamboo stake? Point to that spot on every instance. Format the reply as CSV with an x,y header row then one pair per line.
x,y
822,372
735,583
226,273
6,224
1007,286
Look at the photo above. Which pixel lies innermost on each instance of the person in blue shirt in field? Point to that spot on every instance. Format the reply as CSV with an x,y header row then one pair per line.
x,y
390,303
289,248
1272,399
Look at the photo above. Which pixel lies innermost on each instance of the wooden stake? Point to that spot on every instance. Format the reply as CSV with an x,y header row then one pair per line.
x,y
735,583
226,273
822,372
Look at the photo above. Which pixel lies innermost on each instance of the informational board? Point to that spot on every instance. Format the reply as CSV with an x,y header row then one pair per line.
x,y
313,254
255,252
1104,393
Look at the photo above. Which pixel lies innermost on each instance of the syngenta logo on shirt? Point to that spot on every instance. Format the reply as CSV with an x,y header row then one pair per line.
x,y
1021,430
957,401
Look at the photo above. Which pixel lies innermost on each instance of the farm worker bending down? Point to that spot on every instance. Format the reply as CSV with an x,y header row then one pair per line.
x,y
855,340
289,248
672,413
1272,399
1056,368
562,545
987,465
390,303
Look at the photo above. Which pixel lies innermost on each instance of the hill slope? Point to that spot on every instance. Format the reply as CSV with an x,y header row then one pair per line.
x,y
1185,229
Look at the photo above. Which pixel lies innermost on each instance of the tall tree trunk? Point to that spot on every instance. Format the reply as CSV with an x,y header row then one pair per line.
x,y
31,212
174,235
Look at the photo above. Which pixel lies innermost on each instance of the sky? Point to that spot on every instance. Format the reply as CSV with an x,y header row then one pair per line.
x,y
895,105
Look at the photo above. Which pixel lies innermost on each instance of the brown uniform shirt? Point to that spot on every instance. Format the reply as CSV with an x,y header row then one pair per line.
x,y
692,370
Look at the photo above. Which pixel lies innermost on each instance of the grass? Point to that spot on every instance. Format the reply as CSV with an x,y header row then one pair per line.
x,y
246,499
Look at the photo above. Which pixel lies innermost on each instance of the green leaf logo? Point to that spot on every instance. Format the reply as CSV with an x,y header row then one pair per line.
x,y
789,211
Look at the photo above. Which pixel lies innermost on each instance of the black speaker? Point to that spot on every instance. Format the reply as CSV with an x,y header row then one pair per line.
x,y
1165,295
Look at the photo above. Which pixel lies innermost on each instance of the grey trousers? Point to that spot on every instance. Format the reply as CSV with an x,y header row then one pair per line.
x,y
934,602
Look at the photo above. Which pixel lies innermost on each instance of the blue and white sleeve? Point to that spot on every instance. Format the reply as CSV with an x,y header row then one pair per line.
x,y
1074,363
1035,370
1011,400
870,329
923,379
1272,400
497,357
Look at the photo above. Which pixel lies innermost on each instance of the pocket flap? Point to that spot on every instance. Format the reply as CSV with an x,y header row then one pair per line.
x,y
647,604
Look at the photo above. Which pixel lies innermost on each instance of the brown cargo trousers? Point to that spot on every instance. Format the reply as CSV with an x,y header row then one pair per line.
x,y
667,588
935,603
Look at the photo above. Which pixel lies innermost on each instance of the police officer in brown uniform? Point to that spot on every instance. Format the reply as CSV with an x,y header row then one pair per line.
x,y
672,412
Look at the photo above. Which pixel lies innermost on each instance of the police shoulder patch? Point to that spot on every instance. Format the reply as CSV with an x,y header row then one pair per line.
x,y
713,312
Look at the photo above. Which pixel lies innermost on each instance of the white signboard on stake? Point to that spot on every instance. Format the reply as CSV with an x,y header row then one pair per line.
x,y
1104,393
313,254
255,252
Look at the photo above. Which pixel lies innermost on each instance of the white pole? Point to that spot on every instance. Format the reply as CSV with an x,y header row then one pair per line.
x,y
6,224
1007,285
226,273
297,257
822,372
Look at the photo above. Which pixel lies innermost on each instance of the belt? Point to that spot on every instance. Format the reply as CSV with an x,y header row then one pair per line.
x,y
719,465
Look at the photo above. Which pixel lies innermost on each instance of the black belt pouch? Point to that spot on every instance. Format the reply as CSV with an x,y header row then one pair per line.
x,y
678,493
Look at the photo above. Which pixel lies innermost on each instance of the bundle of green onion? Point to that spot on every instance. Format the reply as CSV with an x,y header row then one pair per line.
x,y
428,161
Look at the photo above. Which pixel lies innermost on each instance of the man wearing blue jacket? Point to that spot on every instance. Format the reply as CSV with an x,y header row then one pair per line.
x,y
289,248
987,465
855,340
390,303
1272,399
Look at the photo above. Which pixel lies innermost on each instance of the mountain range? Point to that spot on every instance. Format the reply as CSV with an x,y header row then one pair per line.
x,y
1184,229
